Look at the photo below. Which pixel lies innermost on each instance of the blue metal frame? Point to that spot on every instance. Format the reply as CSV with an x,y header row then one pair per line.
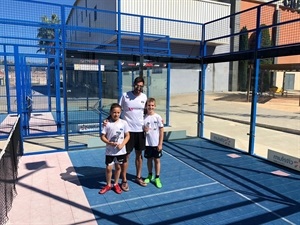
x,y
255,88
163,49
201,91
100,96
6,78
168,95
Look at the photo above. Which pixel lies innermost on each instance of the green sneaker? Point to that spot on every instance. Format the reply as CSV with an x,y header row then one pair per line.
x,y
149,179
158,183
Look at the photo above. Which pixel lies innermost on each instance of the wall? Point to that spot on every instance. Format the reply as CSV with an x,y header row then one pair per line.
x,y
286,34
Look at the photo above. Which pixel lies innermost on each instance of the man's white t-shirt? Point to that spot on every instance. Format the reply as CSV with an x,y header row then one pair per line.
x,y
115,132
154,122
133,110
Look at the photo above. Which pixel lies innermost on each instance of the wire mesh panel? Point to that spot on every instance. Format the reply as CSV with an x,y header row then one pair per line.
x,y
9,159
35,47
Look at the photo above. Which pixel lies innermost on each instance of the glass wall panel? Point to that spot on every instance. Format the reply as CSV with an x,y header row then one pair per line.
x,y
278,110
227,104
90,93
184,82
155,76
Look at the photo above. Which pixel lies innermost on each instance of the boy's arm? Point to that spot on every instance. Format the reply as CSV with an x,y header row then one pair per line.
x,y
126,138
106,141
124,142
161,138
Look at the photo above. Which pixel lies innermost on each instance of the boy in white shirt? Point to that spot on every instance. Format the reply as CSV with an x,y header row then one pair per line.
x,y
115,134
154,131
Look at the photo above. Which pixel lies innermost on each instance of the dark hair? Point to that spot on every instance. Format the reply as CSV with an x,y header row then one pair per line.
x,y
138,80
115,105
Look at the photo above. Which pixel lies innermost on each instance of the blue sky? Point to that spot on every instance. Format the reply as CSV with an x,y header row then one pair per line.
x,y
63,2
25,10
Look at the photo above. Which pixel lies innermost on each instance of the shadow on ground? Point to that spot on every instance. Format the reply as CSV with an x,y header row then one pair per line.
x,y
240,97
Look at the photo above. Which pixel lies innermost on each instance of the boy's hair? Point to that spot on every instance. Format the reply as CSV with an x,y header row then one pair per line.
x,y
138,80
151,100
115,105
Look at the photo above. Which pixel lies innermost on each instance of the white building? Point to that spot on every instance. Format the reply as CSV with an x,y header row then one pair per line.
x,y
184,78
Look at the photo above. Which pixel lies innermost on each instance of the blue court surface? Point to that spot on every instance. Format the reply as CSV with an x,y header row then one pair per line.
x,y
203,183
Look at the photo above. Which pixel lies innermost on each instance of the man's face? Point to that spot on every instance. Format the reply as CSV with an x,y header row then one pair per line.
x,y
138,88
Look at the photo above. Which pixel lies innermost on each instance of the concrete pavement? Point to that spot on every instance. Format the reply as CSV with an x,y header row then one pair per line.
x,y
226,114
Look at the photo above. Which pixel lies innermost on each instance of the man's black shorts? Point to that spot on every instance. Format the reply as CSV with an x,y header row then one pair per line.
x,y
136,141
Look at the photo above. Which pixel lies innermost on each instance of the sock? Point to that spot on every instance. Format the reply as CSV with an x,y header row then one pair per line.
x,y
157,176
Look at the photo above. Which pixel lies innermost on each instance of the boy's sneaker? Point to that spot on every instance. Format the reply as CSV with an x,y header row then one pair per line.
x,y
105,189
158,183
149,179
117,188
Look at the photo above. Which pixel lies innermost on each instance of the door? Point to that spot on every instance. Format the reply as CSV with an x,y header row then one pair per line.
x,y
289,81
35,99
91,87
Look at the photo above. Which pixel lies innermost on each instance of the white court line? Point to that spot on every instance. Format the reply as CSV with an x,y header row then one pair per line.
x,y
238,193
149,196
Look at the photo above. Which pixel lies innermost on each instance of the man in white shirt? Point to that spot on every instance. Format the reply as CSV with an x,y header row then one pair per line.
x,y
133,105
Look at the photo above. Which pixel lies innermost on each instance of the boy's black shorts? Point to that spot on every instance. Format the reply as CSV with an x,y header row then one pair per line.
x,y
117,159
152,152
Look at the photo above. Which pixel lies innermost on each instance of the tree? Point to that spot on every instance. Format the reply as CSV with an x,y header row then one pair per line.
x,y
47,35
46,44
243,64
264,76
293,4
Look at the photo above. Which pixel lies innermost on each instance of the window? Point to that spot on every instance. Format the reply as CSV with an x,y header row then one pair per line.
x,y
156,70
90,33
86,7
104,77
95,13
289,81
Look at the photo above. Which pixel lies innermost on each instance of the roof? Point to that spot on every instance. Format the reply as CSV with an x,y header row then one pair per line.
x,y
281,67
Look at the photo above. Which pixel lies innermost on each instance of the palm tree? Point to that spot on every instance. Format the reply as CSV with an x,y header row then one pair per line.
x,y
47,34
46,44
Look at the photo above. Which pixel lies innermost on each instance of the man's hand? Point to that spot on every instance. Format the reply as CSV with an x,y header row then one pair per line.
x,y
105,122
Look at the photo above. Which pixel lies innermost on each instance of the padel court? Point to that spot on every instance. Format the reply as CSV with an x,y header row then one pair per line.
x,y
203,183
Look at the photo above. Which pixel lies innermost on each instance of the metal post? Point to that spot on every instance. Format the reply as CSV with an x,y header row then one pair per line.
x,y
255,88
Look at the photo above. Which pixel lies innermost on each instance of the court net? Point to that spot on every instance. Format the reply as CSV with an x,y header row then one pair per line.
x,y
9,159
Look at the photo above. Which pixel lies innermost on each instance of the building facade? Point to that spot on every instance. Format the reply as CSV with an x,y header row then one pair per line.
x,y
197,12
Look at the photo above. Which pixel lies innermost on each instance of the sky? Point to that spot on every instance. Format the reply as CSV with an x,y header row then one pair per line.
x,y
25,10
62,2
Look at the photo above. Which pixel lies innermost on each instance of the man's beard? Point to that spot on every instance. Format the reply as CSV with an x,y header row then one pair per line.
x,y
138,90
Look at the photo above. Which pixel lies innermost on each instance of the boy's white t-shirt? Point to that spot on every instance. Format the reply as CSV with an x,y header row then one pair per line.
x,y
133,110
154,122
115,132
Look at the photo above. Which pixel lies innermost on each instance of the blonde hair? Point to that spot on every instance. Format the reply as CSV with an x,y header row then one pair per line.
x,y
151,100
